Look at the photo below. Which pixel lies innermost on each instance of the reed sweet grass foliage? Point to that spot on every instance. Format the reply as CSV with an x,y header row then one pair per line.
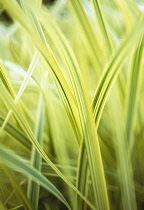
x,y
71,113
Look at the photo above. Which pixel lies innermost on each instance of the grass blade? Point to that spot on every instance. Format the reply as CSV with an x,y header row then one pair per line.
x,y
18,135
33,188
124,167
85,26
19,191
12,160
91,140
102,26
133,92
46,52
7,98
113,69
23,86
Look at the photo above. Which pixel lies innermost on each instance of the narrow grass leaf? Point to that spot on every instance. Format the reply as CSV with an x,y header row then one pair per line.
x,y
126,196
23,86
34,188
7,98
91,140
82,176
113,69
5,80
17,134
86,28
102,26
18,189
10,159
46,52
134,79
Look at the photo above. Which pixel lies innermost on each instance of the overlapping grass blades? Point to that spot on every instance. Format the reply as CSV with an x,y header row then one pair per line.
x,y
17,163
16,134
40,42
133,92
23,86
112,69
86,28
20,192
127,200
99,126
36,160
22,121
102,26
80,95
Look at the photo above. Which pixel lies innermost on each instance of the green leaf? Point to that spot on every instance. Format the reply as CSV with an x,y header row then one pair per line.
x,y
85,26
134,78
23,86
113,68
34,188
21,119
126,196
17,134
19,191
10,159
102,26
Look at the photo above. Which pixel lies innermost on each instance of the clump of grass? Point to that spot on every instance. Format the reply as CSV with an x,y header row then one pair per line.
x,y
71,105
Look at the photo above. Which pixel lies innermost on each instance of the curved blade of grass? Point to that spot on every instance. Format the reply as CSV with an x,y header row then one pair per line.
x,y
6,81
48,171
67,57
106,37
73,119
18,189
129,11
133,92
113,69
22,121
127,193
23,86
66,95
69,109
17,69
83,162
92,144
34,188
13,131
101,22
82,176
17,13
14,161
102,26
85,26
91,140
34,20
16,134
20,207
108,77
